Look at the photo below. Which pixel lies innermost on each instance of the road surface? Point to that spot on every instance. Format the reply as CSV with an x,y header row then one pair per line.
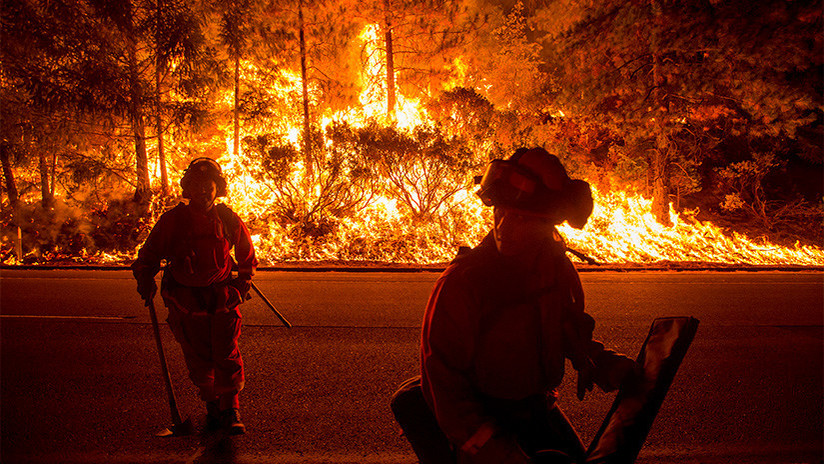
x,y
81,382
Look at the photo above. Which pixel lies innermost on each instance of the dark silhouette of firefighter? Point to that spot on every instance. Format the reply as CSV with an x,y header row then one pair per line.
x,y
197,287
499,324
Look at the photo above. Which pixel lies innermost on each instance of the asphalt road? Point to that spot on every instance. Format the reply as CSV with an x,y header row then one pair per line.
x,y
81,382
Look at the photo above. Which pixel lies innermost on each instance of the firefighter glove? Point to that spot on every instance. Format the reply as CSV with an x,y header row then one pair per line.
x,y
586,378
614,370
243,285
147,288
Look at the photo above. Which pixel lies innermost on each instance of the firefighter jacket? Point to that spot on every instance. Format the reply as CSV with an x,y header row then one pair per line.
x,y
197,248
494,331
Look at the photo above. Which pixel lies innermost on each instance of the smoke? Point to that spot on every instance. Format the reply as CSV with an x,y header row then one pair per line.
x,y
84,226
47,231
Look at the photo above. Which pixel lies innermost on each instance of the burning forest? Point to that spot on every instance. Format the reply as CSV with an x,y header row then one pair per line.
x,y
352,131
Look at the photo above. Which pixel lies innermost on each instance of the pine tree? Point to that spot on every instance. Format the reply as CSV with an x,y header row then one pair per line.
x,y
104,62
658,73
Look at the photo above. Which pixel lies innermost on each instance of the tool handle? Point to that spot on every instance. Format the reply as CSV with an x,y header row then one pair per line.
x,y
176,420
583,257
271,306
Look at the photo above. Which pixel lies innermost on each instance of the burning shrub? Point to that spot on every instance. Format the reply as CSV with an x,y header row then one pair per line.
x,y
756,197
373,192
309,201
422,170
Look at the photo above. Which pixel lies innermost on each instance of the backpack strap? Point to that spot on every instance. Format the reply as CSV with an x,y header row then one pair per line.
x,y
230,222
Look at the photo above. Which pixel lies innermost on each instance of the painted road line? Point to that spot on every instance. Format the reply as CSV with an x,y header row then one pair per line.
x,y
33,316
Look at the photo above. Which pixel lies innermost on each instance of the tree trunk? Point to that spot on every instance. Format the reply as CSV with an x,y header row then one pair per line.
x,y
14,199
161,156
660,187
661,153
236,104
53,173
307,134
143,192
8,174
390,64
46,198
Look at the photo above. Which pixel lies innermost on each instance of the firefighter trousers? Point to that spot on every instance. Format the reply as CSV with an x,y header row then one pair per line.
x,y
210,349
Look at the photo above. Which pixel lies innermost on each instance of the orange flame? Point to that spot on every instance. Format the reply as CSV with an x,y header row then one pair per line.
x,y
622,228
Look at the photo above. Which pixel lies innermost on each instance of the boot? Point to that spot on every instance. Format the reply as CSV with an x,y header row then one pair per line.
x,y
213,421
232,423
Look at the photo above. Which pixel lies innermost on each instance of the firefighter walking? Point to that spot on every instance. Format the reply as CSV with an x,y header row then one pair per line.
x,y
202,296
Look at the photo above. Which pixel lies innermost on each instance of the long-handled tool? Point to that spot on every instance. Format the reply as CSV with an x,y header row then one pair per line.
x,y
265,300
179,427
271,306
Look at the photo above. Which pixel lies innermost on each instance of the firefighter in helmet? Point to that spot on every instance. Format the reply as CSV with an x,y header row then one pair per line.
x,y
199,289
499,323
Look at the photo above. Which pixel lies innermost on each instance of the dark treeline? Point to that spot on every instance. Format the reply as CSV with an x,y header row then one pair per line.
x,y
715,105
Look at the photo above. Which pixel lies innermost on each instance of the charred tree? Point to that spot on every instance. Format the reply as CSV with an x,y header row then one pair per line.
x,y
8,174
390,63
236,107
307,130
161,155
233,33
143,192
53,173
159,66
661,153
46,196
11,191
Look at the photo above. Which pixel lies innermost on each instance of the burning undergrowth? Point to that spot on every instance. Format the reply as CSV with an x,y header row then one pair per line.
x,y
357,185
375,195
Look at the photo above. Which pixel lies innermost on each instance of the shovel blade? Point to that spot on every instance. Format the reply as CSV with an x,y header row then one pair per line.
x,y
178,430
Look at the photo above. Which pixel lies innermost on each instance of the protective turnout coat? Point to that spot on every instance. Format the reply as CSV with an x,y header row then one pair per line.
x,y
493,331
197,247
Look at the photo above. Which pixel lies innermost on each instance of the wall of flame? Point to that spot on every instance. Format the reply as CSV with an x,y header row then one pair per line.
x,y
622,228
